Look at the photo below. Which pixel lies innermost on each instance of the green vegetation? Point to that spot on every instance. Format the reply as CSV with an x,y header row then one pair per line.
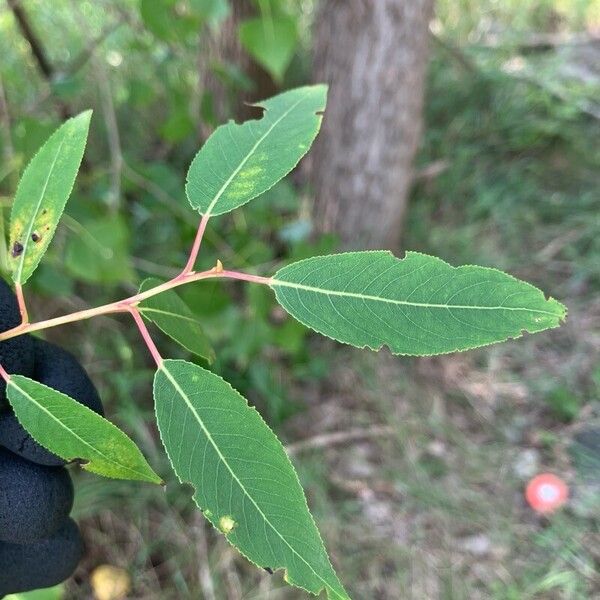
x,y
430,500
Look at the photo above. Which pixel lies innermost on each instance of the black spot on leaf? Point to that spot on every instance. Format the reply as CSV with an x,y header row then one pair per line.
x,y
17,249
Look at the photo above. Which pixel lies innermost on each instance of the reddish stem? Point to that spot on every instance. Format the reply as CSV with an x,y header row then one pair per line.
x,y
132,301
135,313
244,277
4,374
189,267
22,305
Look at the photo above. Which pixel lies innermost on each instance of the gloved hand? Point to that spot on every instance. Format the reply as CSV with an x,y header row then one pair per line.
x,y
40,546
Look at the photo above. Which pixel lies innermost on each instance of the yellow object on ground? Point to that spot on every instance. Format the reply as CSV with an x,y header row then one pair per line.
x,y
110,583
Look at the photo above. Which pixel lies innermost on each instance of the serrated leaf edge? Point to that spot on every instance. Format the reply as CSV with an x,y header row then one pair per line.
x,y
330,591
88,466
275,282
16,274
208,212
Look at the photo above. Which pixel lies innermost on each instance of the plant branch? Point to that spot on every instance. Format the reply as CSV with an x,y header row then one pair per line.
x,y
189,267
32,39
37,49
132,301
4,374
135,313
22,304
8,152
339,437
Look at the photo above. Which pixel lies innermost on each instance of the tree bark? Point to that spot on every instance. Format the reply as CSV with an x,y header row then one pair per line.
x,y
373,54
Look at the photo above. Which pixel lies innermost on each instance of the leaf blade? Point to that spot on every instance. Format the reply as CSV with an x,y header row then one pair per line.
x,y
207,411
173,316
271,42
42,194
74,432
418,305
239,162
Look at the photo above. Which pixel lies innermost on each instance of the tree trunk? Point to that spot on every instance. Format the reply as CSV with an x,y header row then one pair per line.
x,y
373,54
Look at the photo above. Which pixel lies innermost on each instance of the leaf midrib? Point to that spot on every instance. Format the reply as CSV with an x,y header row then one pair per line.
x,y
74,434
37,208
147,309
327,292
250,153
236,479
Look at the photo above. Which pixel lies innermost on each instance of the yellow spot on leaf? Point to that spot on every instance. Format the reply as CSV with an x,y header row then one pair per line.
x,y
226,524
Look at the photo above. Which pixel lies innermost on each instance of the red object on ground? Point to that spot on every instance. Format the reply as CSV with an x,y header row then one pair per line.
x,y
546,492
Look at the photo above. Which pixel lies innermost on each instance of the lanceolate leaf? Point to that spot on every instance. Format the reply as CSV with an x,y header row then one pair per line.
x,y
418,305
42,194
173,316
239,162
244,481
74,432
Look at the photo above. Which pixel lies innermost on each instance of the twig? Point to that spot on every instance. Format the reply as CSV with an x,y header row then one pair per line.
x,y
155,190
455,52
134,300
32,39
153,268
88,52
37,49
583,105
189,267
22,304
432,170
339,437
135,313
8,148
114,141
9,159
176,207
110,120
539,41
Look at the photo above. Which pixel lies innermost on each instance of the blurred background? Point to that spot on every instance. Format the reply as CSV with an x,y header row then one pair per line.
x,y
467,129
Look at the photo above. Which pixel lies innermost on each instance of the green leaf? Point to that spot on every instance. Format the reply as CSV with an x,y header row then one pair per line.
x,y
173,316
244,481
168,20
418,305
239,162
99,252
43,193
211,11
74,432
54,593
271,42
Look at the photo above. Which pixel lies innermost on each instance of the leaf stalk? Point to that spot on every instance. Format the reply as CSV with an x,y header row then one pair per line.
x,y
126,304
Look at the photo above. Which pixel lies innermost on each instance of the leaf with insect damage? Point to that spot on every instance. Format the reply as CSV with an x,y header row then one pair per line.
x,y
239,162
42,195
244,481
418,305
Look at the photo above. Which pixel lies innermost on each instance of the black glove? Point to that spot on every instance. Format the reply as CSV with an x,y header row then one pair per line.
x,y
40,546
